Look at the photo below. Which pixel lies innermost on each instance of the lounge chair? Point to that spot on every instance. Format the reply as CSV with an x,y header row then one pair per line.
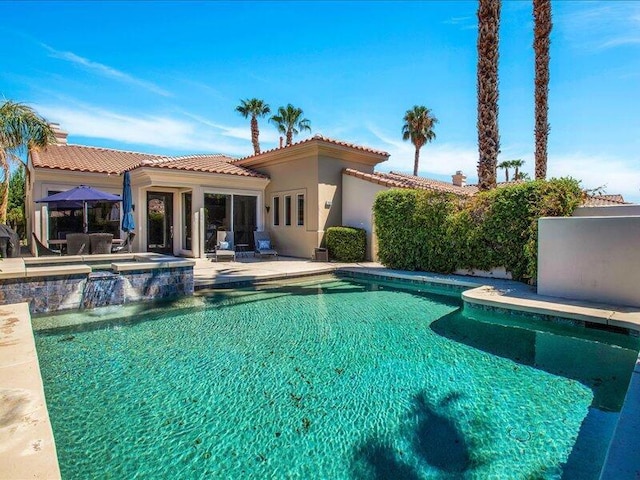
x,y
100,243
124,246
224,247
42,250
78,244
263,245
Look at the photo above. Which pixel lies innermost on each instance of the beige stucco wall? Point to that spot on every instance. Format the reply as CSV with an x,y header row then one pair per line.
x,y
315,170
296,176
611,211
357,208
590,258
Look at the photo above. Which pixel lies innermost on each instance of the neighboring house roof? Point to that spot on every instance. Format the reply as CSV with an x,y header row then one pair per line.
x,y
604,201
82,158
402,180
322,139
399,180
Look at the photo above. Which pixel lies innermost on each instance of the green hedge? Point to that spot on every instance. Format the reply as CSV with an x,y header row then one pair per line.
x,y
422,230
347,244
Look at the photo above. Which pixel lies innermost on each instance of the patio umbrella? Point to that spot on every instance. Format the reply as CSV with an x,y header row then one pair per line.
x,y
128,223
81,195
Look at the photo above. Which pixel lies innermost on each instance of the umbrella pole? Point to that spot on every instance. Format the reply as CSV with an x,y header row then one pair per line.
x,y
85,217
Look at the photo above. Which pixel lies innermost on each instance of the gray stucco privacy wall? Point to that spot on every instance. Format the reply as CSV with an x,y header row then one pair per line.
x,y
590,258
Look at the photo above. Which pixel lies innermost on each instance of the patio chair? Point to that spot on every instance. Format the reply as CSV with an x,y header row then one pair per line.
x,y
263,245
126,245
78,244
100,243
224,246
42,250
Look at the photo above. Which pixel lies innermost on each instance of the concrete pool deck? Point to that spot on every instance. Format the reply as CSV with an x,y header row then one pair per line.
x,y
27,448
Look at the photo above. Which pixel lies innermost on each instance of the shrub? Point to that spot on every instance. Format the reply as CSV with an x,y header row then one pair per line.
x,y
432,231
347,244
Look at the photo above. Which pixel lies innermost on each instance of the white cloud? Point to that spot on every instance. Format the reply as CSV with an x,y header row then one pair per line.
x,y
602,25
153,130
243,133
614,174
105,70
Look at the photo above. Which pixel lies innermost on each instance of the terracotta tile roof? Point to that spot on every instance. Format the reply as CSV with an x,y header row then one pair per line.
x,y
603,201
104,160
399,180
438,185
88,159
402,180
324,139
203,163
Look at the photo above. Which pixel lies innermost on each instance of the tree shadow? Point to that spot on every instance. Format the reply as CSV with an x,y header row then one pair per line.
x,y
434,439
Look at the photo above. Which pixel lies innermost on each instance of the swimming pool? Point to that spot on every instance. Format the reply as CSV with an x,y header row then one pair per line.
x,y
331,378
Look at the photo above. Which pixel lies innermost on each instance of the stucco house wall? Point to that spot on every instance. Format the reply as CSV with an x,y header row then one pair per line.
x,y
590,258
358,196
314,168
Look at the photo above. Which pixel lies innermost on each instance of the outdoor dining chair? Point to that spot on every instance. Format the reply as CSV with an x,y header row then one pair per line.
x,y
78,244
41,249
100,242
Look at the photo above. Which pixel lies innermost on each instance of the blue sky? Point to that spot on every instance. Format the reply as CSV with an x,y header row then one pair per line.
x,y
165,77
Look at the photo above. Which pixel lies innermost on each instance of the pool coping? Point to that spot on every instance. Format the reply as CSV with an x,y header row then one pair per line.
x,y
500,294
27,445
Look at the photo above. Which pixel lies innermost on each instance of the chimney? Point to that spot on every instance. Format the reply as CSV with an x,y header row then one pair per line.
x,y
459,179
61,135
280,142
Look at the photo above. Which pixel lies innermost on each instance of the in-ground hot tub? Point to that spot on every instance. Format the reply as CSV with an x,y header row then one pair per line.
x,y
49,284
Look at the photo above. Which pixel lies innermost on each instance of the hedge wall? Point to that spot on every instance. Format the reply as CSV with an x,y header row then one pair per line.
x,y
436,232
347,244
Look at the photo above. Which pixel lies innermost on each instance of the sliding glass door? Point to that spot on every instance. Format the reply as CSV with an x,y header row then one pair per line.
x,y
237,213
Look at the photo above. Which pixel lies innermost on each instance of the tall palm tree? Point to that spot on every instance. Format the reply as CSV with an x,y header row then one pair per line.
x,y
506,165
289,122
418,127
541,42
21,128
488,133
255,108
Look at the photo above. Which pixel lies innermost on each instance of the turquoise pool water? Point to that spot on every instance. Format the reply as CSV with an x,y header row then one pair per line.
x,y
332,378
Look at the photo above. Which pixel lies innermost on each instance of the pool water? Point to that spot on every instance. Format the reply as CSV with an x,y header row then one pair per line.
x,y
332,378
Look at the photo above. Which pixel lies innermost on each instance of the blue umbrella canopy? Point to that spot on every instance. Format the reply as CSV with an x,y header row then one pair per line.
x,y
80,195
83,193
128,223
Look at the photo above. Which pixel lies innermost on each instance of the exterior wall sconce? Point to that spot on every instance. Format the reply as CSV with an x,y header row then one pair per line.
x,y
267,208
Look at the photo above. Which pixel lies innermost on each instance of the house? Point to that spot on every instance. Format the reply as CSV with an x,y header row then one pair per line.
x,y
294,192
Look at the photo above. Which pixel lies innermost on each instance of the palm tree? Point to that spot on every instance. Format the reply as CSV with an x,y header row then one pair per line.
x,y
488,133
289,122
21,128
255,108
541,42
418,127
506,165
517,164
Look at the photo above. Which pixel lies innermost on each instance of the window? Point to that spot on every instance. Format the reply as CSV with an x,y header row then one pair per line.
x,y
276,211
300,209
287,210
